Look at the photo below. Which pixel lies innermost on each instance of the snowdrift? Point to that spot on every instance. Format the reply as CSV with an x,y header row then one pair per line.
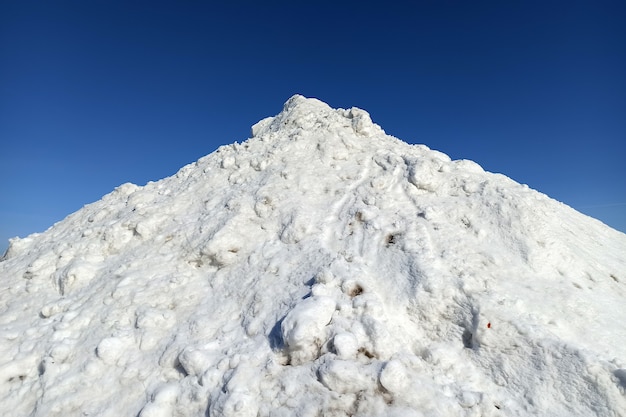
x,y
321,268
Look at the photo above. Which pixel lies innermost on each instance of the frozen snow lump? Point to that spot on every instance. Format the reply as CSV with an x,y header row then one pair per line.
x,y
303,328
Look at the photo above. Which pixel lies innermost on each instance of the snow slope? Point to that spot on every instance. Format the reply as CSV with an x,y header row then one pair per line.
x,y
319,268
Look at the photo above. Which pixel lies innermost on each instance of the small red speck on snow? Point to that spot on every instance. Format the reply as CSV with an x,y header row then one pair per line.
x,y
489,325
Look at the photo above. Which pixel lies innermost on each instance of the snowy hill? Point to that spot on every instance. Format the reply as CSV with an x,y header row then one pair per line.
x,y
319,268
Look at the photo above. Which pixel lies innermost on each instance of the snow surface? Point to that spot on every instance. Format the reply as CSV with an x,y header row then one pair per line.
x,y
319,268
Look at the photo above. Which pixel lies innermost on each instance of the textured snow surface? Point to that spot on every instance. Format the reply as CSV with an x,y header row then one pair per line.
x,y
321,268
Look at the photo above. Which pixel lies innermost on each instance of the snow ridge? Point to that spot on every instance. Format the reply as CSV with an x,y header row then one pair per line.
x,y
321,267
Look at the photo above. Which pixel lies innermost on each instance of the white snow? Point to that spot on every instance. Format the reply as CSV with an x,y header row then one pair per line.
x,y
321,267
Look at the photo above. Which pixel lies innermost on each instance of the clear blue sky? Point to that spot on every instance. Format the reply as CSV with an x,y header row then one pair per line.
x,y
97,93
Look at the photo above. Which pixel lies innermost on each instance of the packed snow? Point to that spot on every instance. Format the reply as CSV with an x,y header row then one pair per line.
x,y
320,268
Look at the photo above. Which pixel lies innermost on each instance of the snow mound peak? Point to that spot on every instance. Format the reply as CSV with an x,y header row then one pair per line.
x,y
321,267
308,113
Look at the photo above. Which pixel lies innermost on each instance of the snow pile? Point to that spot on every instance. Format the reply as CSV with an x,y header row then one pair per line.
x,y
319,268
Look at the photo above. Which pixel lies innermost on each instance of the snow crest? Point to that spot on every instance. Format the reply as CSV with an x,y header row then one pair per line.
x,y
321,267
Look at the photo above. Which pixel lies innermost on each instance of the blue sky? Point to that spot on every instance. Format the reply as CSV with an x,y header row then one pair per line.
x,y
94,94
